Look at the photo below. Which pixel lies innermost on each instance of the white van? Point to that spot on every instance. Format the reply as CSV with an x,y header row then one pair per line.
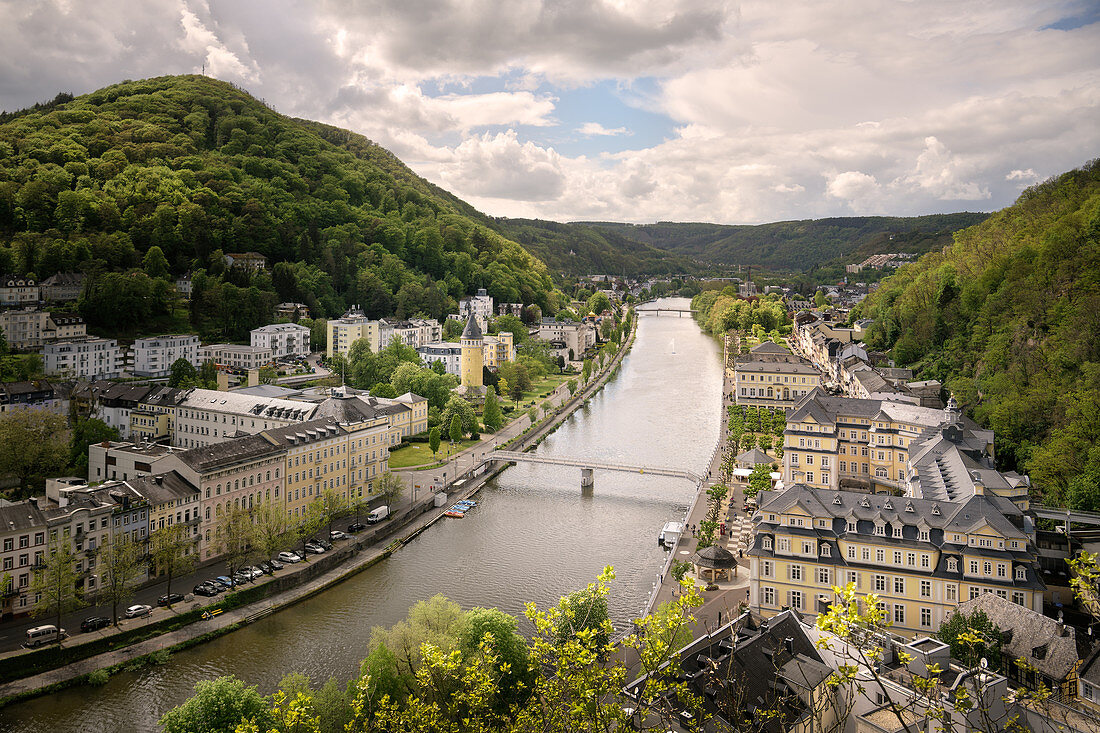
x,y
377,515
40,635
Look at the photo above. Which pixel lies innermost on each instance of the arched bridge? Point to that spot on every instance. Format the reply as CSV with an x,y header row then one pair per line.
x,y
588,466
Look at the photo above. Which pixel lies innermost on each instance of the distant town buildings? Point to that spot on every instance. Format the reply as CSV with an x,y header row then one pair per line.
x,y
16,290
771,376
878,262
62,287
251,261
236,356
30,328
567,338
480,306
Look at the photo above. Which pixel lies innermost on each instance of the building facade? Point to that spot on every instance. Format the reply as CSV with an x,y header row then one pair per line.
x,y
344,332
62,287
920,557
480,306
154,355
568,338
18,291
771,376
236,356
89,358
283,339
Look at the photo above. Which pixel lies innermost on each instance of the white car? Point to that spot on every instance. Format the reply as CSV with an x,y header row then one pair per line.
x,y
138,610
288,557
336,534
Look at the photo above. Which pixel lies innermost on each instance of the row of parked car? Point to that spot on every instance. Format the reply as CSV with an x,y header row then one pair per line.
x,y
208,588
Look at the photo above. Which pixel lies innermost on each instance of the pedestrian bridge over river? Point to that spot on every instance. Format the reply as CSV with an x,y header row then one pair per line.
x,y
587,466
658,311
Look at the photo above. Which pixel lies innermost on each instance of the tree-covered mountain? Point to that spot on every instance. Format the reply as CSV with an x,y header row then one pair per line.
x,y
579,249
1008,317
192,168
799,245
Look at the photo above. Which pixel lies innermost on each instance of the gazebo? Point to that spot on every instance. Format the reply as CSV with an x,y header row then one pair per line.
x,y
715,560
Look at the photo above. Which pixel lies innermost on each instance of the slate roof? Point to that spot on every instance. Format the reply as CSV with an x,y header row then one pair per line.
x,y
754,456
770,661
472,330
19,516
768,347
228,453
163,487
1049,646
303,433
243,404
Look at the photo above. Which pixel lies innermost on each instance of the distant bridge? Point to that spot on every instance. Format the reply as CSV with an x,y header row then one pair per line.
x,y
1067,516
658,311
588,466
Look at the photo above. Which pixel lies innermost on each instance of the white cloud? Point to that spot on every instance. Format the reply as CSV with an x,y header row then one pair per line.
x,y
499,166
1018,175
595,129
852,186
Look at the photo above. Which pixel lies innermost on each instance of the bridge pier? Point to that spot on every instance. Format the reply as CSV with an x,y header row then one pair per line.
x,y
586,478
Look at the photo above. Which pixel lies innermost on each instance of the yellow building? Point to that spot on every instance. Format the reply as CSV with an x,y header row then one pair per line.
x,y
344,332
848,443
498,349
316,460
472,355
771,376
920,557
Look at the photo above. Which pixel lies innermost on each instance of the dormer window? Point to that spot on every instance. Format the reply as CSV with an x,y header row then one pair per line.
x,y
909,506
880,530
1021,573
924,535
826,551
952,565
836,500
935,510
864,503
851,526
767,543
887,505
897,532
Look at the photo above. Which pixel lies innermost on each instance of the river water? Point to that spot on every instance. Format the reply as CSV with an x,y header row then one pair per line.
x,y
534,536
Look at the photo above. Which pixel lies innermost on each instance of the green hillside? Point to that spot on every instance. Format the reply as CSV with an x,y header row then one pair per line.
x,y
1009,318
192,168
799,245
579,249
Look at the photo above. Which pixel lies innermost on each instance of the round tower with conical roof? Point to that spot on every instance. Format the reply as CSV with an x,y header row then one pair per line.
x,y
472,359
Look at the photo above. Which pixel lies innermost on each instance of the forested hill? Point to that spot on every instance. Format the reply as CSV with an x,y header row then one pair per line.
x,y
578,249
190,167
1009,318
799,245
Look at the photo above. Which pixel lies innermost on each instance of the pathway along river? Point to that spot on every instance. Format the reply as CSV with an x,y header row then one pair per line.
x,y
533,537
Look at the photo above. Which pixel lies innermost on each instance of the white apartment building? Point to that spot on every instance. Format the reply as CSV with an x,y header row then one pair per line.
x,y
16,290
568,338
89,358
415,333
236,356
30,328
445,351
480,305
154,355
284,339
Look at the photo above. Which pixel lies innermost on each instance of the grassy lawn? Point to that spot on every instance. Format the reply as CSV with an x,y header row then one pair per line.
x,y
544,386
416,454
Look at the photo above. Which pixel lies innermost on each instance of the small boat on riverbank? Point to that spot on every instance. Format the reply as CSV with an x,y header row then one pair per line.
x,y
670,534
458,511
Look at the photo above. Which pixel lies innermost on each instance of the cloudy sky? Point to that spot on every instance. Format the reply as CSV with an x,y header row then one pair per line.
x,y
631,110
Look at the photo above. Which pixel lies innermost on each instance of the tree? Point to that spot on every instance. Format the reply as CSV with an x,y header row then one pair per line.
x,y
972,638
308,524
759,480
490,413
332,503
390,487
547,407
586,371
182,373
455,431
155,263
820,300
233,533
87,431
170,549
460,408
218,706
32,444
513,325
572,385
433,440
598,303
121,566
533,414
452,329
54,580
268,375
496,630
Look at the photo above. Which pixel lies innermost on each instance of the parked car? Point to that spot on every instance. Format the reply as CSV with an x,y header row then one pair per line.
x,y
266,567
323,543
315,548
289,557
138,610
356,527
336,535
93,623
226,582
169,599
254,571
47,634
242,576
207,589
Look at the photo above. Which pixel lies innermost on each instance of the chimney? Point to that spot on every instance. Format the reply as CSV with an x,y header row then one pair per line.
x,y
253,377
788,644
223,382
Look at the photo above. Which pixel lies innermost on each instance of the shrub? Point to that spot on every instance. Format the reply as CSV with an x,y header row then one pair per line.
x,y
99,677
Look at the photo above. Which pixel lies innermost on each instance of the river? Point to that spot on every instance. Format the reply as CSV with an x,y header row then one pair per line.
x,y
534,536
